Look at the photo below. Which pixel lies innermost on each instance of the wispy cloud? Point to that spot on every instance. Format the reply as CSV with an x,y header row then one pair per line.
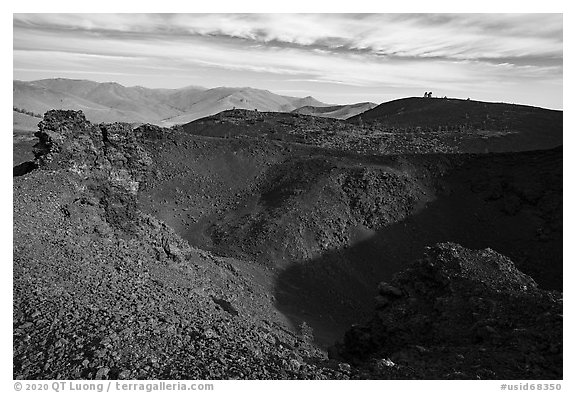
x,y
460,36
456,51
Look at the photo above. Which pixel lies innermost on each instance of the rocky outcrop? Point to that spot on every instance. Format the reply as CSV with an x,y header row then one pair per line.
x,y
462,311
106,157
104,291
150,131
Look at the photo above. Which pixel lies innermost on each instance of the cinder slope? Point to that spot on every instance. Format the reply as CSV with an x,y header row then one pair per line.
x,y
505,127
103,291
272,224
251,186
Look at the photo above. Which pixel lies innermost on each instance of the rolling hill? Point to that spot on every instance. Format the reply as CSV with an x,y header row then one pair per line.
x,y
216,100
342,112
99,101
503,127
109,102
24,122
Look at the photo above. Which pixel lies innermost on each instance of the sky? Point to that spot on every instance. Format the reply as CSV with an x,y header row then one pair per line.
x,y
336,58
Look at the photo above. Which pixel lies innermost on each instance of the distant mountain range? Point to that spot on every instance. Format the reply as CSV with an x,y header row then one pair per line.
x,y
212,101
109,102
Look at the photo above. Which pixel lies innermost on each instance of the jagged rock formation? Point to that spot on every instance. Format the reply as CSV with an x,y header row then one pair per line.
x,y
463,314
102,290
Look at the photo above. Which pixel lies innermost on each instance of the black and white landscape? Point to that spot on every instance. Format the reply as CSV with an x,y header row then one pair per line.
x,y
253,196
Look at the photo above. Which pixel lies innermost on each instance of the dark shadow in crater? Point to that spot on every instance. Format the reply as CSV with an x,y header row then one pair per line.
x,y
511,203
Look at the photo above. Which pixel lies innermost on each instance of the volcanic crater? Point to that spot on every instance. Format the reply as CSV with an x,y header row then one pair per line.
x,y
280,245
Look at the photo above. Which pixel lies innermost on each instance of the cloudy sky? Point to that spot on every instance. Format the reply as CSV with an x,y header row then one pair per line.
x,y
337,58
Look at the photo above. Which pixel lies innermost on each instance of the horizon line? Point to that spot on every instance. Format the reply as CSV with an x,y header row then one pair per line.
x,y
279,94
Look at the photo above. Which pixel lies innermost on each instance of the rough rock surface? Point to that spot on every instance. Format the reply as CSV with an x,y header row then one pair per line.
x,y
289,205
461,314
106,287
102,290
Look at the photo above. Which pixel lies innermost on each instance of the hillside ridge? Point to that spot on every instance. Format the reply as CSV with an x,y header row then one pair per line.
x,y
111,101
